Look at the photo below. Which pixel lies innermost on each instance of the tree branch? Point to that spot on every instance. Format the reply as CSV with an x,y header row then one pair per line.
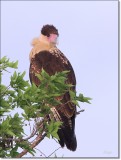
x,y
37,140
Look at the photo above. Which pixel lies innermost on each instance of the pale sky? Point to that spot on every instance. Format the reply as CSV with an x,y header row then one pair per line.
x,y
89,38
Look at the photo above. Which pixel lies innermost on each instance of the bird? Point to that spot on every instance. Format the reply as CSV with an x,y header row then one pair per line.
x,y
46,55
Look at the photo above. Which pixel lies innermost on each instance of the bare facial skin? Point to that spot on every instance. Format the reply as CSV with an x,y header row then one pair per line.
x,y
53,38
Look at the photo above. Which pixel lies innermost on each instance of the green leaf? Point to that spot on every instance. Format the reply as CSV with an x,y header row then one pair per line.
x,y
2,60
14,152
39,76
72,94
13,64
26,145
53,129
45,74
9,132
48,135
76,103
4,103
2,111
83,99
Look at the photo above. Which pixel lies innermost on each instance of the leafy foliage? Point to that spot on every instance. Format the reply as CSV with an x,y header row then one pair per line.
x,y
35,102
52,129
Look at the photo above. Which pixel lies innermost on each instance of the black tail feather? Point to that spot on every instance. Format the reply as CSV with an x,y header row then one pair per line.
x,y
67,136
72,144
66,132
61,136
69,140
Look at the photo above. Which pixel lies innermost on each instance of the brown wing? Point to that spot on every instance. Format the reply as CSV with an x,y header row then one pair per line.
x,y
52,62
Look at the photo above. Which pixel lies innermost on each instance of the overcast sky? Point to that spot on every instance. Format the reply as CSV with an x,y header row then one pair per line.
x,y
89,38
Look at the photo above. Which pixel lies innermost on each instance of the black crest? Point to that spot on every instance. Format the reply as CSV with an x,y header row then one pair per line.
x,y
49,29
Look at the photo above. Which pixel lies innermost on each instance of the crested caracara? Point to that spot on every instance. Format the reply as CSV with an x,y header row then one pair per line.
x,y
46,55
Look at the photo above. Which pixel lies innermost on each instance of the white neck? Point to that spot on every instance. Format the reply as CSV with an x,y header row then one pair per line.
x,y
43,39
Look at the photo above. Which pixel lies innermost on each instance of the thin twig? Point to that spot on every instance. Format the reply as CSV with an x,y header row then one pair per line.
x,y
36,128
30,127
37,140
56,140
32,134
80,111
41,152
5,90
54,151
11,139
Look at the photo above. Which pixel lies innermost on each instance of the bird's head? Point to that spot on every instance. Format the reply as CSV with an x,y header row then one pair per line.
x,y
51,33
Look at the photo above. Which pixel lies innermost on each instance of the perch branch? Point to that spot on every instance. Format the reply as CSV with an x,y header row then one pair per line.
x,y
37,140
